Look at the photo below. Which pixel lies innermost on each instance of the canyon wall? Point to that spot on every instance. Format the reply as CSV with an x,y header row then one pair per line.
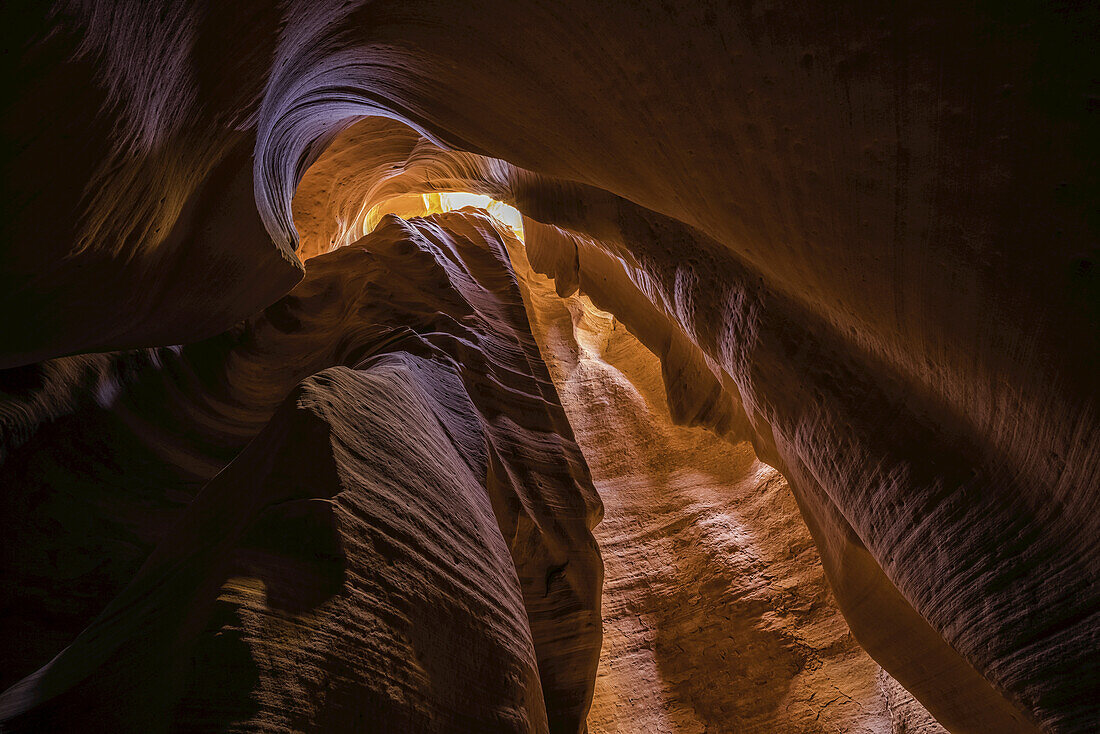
x,y
863,240
709,566
403,539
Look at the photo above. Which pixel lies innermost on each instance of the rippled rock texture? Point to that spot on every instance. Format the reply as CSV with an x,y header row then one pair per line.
x,y
862,239
405,540
709,566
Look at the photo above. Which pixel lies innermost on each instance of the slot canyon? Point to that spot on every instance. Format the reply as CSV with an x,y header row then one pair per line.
x,y
609,367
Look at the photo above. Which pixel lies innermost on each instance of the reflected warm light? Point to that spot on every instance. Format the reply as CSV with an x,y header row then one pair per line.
x,y
422,205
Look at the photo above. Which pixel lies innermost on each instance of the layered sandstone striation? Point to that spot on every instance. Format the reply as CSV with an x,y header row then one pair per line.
x,y
618,253
709,566
862,240
398,533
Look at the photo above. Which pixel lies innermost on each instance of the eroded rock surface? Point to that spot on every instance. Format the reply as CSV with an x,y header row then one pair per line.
x,y
354,585
709,566
869,236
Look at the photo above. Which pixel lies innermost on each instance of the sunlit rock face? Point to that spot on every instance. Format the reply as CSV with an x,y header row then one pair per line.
x,y
863,241
708,563
709,566
581,251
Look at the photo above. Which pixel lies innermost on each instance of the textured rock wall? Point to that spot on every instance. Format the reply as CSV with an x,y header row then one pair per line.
x,y
911,469
619,254
452,582
751,609
709,566
875,229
